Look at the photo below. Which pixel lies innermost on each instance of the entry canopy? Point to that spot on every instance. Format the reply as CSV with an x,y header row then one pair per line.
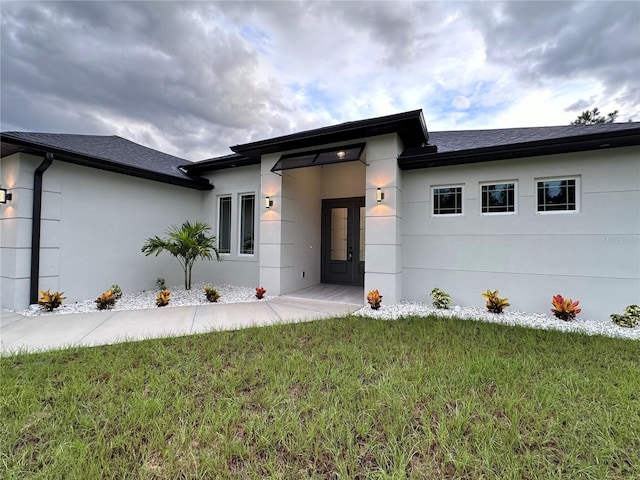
x,y
326,156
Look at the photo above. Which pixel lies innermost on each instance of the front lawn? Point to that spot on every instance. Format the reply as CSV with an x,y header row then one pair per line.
x,y
343,398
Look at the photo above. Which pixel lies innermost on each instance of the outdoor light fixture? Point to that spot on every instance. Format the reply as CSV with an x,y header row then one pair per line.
x,y
379,195
341,154
268,203
4,195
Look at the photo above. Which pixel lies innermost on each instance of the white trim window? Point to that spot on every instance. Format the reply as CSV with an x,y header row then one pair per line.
x,y
498,198
224,224
247,224
558,195
447,200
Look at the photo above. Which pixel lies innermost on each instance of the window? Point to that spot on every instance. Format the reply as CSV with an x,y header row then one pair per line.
x,y
498,198
447,200
557,195
247,224
224,224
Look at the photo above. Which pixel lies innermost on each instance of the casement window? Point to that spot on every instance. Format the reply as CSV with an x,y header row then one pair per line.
x,y
447,200
237,224
247,224
224,224
498,198
557,195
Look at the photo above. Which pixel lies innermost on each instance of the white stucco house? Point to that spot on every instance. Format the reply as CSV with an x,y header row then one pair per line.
x,y
381,203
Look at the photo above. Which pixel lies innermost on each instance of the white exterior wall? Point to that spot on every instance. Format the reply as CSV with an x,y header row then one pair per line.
x,y
592,255
384,251
15,228
344,180
234,269
302,228
94,224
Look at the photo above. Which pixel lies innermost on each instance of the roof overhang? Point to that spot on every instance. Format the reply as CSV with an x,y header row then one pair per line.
x,y
417,158
315,158
220,163
11,145
409,126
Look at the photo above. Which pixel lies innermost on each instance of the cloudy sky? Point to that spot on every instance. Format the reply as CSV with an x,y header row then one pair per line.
x,y
193,78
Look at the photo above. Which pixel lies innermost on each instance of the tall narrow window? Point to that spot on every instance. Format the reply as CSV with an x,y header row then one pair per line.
x,y
447,200
557,195
224,225
247,227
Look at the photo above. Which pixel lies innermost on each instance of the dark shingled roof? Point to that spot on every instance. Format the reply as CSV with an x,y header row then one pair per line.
x,y
471,146
443,148
409,126
112,153
450,141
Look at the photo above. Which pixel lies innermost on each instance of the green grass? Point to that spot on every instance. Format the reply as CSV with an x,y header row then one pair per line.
x,y
343,398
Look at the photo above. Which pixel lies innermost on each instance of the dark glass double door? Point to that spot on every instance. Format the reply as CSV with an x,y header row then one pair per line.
x,y
343,241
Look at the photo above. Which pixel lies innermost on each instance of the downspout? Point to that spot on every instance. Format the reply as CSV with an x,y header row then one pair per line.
x,y
35,226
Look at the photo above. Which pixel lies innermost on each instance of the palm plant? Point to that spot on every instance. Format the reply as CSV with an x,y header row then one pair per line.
x,y
186,243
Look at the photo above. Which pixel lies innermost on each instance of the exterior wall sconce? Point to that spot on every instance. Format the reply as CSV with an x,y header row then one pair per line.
x,y
4,195
379,195
268,203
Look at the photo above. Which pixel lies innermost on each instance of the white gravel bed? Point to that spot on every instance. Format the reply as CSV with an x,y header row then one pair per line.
x,y
234,294
147,299
507,317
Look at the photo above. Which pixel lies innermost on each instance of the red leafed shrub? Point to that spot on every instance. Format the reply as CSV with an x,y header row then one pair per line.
x,y
565,308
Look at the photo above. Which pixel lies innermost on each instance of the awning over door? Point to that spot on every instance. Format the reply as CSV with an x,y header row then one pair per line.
x,y
326,156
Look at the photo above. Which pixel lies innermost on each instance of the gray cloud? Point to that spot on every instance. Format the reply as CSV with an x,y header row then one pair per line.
x,y
143,63
193,78
580,105
547,42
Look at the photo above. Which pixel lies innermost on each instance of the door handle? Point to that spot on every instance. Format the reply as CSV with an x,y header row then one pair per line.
x,y
350,254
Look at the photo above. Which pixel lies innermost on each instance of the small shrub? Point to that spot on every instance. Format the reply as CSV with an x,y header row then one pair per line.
x,y
186,243
106,300
163,298
630,318
212,294
160,283
260,292
50,301
494,303
441,299
565,308
374,298
116,290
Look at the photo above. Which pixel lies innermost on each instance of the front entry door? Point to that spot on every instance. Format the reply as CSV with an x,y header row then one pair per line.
x,y
343,241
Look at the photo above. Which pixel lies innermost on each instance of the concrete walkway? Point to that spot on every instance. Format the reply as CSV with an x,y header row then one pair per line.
x,y
19,333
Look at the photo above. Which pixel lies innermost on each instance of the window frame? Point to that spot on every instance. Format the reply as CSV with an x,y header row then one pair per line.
x,y
577,194
219,222
442,187
501,182
240,225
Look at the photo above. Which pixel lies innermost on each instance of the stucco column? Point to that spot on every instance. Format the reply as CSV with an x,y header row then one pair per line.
x,y
273,258
383,252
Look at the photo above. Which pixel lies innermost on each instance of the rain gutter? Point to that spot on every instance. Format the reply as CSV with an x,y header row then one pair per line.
x,y
35,226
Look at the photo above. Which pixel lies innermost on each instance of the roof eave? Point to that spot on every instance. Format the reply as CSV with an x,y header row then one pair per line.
x,y
530,149
220,164
106,165
410,126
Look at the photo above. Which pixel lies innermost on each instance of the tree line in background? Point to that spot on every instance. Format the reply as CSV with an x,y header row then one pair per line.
x,y
590,117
